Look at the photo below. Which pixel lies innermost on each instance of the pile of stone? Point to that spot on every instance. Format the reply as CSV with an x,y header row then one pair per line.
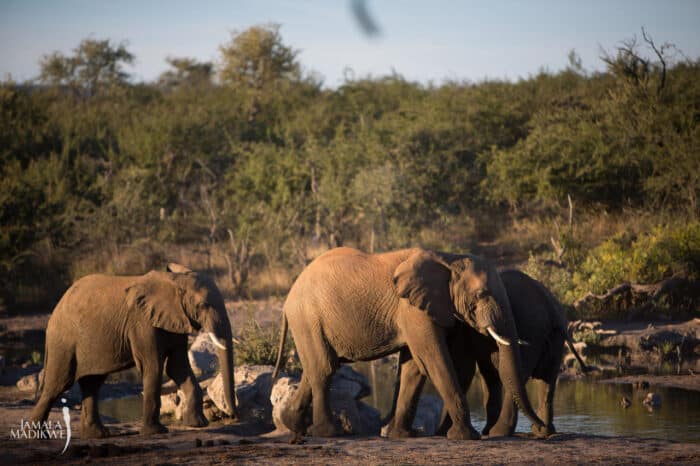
x,y
350,415
257,399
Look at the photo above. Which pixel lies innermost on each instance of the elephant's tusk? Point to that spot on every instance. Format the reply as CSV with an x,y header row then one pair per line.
x,y
497,337
216,341
523,342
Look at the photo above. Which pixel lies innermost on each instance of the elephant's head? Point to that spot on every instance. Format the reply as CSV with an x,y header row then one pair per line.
x,y
183,301
468,289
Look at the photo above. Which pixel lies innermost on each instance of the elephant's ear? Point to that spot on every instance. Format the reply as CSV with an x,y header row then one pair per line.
x,y
424,280
162,302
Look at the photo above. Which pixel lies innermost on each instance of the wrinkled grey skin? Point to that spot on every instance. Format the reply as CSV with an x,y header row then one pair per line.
x,y
351,306
540,322
105,324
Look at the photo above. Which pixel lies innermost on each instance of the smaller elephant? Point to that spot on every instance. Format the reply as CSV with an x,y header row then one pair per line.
x,y
542,329
105,324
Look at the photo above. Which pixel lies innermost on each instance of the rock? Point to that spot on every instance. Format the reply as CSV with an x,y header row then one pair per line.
x,y
172,403
350,415
282,392
634,301
428,414
347,383
652,400
259,376
202,356
253,386
28,383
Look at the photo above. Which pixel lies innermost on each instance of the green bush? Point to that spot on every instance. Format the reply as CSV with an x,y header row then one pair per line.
x,y
649,258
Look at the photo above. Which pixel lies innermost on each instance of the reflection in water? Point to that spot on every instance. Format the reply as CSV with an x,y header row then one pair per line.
x,y
582,406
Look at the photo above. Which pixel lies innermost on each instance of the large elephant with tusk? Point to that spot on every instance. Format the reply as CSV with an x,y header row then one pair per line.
x,y
351,306
105,324
542,325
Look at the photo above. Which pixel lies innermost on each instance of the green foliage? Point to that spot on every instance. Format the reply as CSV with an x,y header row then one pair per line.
x,y
267,159
587,335
94,63
258,345
257,57
663,252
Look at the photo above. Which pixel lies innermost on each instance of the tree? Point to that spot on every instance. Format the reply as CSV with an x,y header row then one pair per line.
x,y
94,63
257,57
186,72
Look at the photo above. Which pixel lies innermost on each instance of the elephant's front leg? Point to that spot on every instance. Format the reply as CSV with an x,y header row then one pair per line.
x,y
178,368
494,405
152,379
428,346
411,383
149,358
545,389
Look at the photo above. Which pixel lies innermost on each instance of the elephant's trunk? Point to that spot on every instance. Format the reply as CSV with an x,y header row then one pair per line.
x,y
223,340
509,369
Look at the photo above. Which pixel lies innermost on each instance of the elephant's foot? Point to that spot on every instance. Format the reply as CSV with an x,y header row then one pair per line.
x,y
396,432
150,429
500,430
93,431
544,431
293,420
462,433
324,429
194,419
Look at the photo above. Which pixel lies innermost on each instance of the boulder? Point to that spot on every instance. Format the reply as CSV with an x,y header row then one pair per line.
x,y
351,416
253,385
28,383
172,404
202,356
347,383
428,415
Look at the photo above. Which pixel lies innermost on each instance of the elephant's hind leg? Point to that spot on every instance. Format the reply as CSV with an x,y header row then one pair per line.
x,y
319,362
178,368
90,423
59,376
411,383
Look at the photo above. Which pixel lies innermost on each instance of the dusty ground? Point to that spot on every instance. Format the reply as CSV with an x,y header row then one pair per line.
x,y
238,443
225,444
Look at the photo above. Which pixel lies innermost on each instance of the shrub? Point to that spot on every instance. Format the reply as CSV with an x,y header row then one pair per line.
x,y
649,258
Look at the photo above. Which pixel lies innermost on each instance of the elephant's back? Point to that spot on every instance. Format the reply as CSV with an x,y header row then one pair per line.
x,y
535,310
350,297
349,271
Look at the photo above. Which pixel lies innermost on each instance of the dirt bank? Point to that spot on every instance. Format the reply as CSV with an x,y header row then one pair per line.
x,y
686,382
217,445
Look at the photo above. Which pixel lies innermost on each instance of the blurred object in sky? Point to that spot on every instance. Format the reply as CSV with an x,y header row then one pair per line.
x,y
367,24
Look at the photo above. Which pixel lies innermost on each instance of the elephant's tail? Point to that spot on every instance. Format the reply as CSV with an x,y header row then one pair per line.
x,y
280,349
584,367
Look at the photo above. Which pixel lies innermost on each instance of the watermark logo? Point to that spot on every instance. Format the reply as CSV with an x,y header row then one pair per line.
x,y
45,430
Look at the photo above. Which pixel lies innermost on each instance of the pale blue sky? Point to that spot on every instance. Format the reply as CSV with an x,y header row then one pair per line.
x,y
427,40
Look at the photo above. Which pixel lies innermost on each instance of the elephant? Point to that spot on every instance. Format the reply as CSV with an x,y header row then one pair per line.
x,y
542,327
351,306
105,324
